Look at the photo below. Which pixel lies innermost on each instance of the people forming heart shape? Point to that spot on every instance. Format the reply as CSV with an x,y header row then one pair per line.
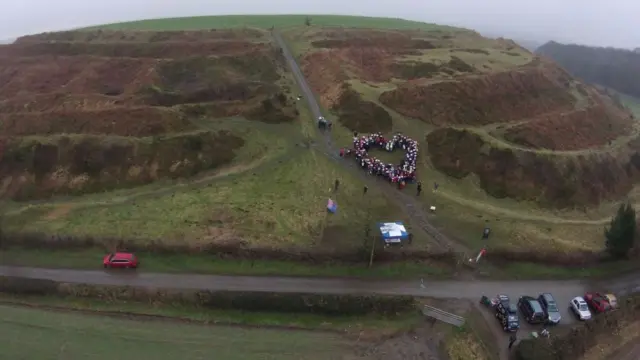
x,y
403,173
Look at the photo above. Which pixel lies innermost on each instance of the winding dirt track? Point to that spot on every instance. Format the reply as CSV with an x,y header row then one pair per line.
x,y
410,205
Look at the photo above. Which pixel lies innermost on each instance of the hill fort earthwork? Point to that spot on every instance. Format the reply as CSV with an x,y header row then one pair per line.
x,y
199,133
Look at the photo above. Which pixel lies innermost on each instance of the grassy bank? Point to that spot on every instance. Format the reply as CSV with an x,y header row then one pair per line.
x,y
530,271
208,264
373,325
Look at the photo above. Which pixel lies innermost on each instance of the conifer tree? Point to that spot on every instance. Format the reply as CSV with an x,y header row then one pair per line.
x,y
621,232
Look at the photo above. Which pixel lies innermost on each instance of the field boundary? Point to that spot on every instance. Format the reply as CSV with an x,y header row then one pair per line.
x,y
157,317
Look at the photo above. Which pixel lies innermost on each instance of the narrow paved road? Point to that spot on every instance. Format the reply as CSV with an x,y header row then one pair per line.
x,y
411,205
564,291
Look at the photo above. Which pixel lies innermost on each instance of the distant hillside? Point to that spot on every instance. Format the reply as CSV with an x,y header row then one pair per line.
x,y
618,69
531,45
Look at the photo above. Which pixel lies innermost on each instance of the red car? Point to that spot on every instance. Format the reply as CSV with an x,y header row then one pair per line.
x,y
597,302
120,260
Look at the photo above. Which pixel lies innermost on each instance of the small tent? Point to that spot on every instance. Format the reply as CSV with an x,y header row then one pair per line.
x,y
393,232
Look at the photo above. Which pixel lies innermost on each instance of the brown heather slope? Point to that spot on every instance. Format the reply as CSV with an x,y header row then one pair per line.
x,y
114,109
592,127
164,50
513,104
493,98
36,168
339,55
552,180
138,121
103,36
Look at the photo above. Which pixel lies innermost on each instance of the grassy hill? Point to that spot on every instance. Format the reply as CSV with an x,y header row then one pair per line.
x,y
267,21
182,137
509,136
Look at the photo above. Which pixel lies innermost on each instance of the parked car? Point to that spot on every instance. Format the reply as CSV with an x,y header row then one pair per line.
x,y
612,299
550,308
507,314
597,302
503,300
532,310
579,307
120,260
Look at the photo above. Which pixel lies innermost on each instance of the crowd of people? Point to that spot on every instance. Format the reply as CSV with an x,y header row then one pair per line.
x,y
402,173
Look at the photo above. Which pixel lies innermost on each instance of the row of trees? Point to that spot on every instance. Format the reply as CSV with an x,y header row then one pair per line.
x,y
618,69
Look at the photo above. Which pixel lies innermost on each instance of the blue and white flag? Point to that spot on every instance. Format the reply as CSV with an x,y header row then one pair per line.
x,y
332,207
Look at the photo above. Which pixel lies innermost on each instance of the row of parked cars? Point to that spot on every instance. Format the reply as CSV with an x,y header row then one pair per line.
x,y
544,309
592,302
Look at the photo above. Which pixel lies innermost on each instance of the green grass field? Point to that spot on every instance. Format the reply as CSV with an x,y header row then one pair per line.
x,y
373,325
267,21
39,335
284,206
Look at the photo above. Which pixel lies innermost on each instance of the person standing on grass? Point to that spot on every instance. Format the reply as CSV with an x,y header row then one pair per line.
x,y
365,189
419,188
336,184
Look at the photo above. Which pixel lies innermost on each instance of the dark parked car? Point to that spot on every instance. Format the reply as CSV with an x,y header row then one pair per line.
x,y
532,310
507,314
550,308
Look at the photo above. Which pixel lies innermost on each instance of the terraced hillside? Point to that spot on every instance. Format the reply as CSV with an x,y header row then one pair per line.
x,y
134,104
508,135
180,136
210,122
496,90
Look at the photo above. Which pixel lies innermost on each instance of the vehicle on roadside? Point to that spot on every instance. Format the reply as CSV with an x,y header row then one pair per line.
x,y
507,314
580,308
597,302
613,300
550,308
532,310
120,260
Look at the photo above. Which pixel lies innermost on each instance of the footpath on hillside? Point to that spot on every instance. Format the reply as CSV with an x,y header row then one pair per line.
x,y
410,205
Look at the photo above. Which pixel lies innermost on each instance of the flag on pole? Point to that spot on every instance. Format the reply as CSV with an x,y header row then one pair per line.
x,y
332,207
481,254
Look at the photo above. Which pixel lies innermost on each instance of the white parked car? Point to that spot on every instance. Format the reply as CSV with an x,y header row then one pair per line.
x,y
580,308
